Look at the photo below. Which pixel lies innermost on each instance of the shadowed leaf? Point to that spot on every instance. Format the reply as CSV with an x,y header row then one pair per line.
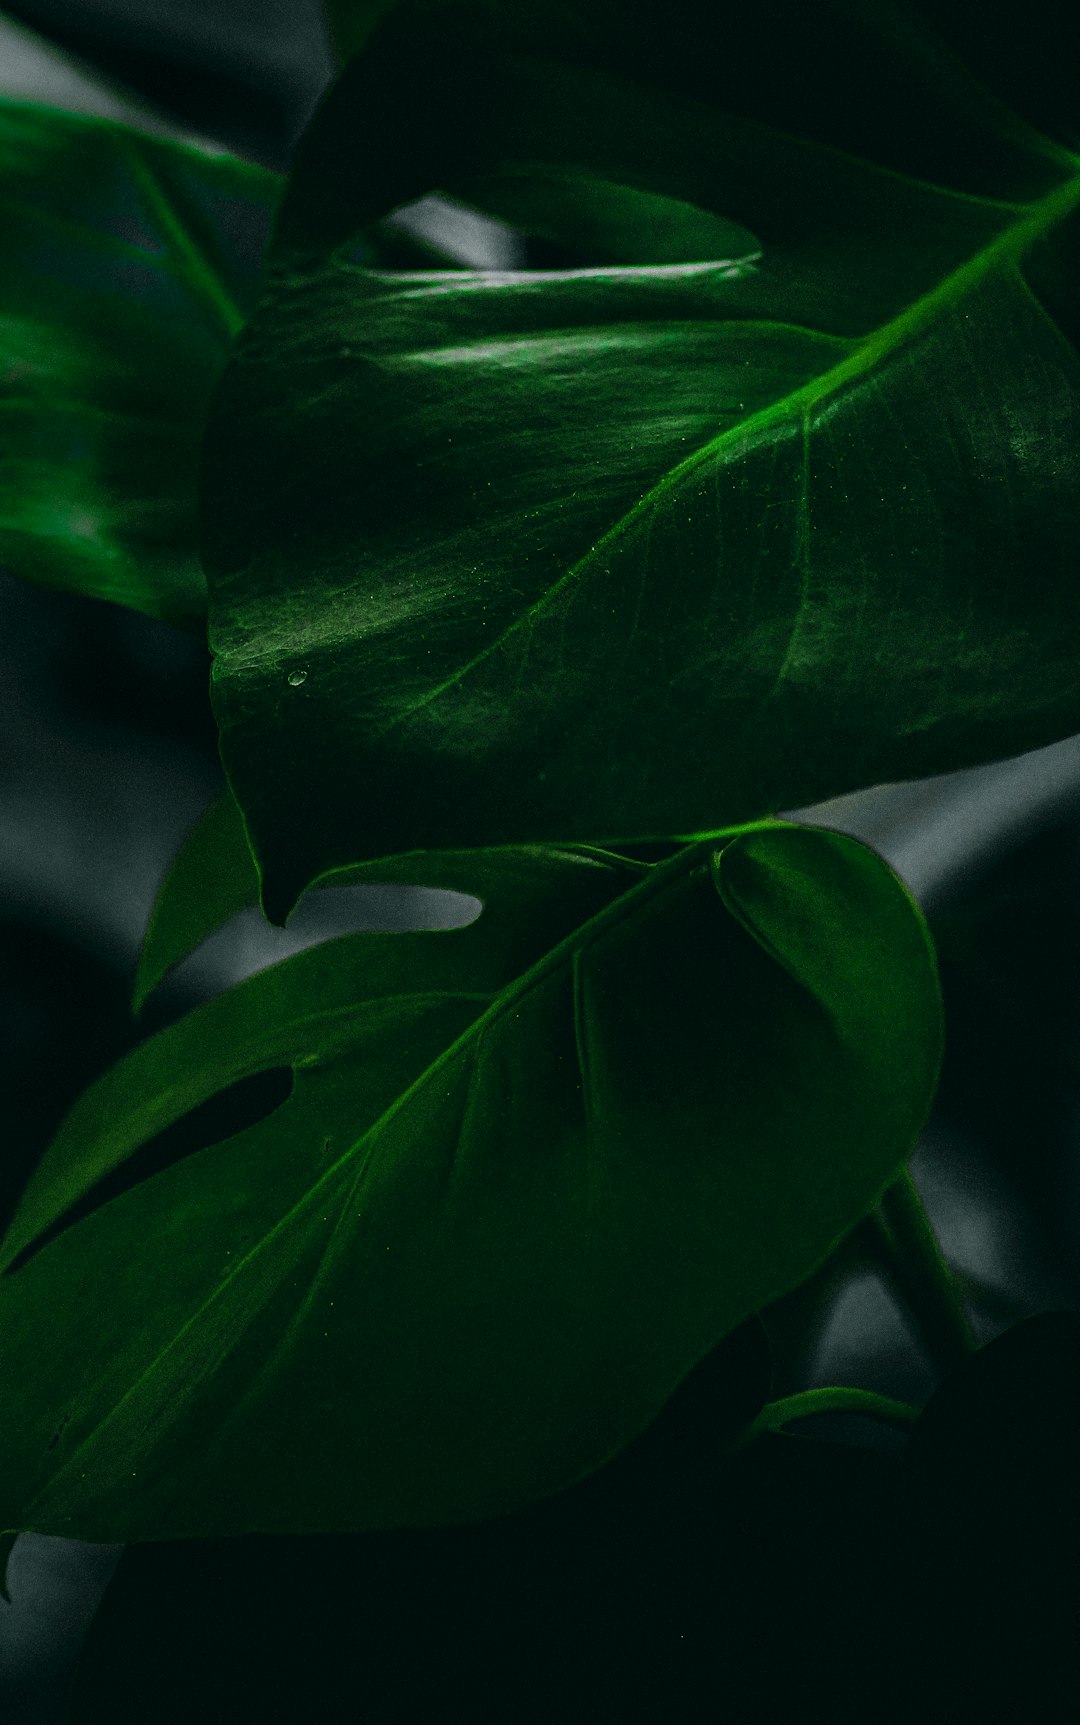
x,y
530,1172
129,263
213,877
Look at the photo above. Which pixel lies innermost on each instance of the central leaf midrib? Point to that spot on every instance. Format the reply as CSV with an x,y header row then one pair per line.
x,y
91,239
624,904
1010,243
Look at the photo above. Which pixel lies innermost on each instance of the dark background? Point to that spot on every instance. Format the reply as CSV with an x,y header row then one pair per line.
x,y
107,755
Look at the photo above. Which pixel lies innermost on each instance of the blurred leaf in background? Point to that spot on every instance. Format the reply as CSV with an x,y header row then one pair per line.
x,y
129,263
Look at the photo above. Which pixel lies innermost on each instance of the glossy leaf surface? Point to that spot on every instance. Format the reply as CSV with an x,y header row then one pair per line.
x,y
651,544
530,1172
128,264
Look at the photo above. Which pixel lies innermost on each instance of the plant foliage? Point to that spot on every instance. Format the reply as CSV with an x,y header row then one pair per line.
x,y
691,531
758,483
510,1202
129,264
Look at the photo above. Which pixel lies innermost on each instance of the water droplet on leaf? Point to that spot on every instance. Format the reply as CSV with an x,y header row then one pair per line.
x,y
296,678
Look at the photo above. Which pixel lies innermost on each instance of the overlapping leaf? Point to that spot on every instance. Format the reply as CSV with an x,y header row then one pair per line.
x,y
656,543
530,1172
213,877
128,263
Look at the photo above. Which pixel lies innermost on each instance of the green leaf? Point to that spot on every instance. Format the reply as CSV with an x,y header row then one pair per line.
x,y
129,263
533,898
642,549
530,1172
213,877
210,880
587,216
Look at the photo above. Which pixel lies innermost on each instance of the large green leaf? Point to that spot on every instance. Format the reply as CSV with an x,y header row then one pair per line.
x,y
128,264
529,1173
615,553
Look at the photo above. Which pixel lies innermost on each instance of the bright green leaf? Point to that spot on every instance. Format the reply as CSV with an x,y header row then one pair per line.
x,y
642,551
128,264
529,1173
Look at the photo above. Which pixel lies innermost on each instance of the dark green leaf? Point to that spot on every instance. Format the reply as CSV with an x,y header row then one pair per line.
x,y
586,216
213,877
637,552
530,1172
129,263
299,1012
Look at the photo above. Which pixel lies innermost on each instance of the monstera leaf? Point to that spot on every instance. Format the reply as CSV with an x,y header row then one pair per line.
x,y
530,1172
128,264
768,492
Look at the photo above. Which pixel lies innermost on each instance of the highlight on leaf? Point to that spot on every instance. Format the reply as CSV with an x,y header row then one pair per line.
x,y
651,544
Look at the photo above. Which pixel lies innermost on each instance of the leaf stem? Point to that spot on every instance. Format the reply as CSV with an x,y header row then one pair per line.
x,y
835,1399
907,1250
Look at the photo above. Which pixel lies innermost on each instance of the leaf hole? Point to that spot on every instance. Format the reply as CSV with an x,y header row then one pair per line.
x,y
232,1110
